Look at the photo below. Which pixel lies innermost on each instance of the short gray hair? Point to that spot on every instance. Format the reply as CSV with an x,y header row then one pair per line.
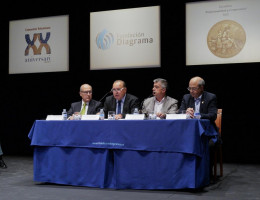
x,y
163,82
201,83
85,84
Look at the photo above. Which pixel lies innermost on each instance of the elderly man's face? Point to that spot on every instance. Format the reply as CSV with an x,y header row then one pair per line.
x,y
118,90
86,93
195,90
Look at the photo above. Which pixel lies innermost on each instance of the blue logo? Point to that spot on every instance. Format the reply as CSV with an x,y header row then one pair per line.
x,y
104,40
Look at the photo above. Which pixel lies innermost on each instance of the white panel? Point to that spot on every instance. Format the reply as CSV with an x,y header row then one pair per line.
x,y
39,45
222,32
127,38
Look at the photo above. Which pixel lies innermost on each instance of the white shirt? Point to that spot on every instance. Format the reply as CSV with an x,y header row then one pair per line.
x,y
197,103
158,105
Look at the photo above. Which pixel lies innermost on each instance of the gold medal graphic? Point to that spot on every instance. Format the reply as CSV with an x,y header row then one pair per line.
x,y
226,39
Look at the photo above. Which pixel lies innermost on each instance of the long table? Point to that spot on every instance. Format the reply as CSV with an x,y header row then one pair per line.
x,y
120,154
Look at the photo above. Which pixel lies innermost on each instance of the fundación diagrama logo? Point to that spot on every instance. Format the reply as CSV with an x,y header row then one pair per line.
x,y
104,40
42,42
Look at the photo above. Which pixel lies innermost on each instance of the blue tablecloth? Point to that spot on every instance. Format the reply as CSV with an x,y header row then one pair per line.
x,y
145,154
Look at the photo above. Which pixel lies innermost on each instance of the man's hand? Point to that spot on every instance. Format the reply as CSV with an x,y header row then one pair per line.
x,y
119,116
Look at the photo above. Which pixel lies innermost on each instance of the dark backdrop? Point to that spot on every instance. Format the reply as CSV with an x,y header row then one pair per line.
x,y
27,97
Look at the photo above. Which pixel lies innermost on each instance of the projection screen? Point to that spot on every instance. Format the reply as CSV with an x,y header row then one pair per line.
x,y
39,45
219,32
125,38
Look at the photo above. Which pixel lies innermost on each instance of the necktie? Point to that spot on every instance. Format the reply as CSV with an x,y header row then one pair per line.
x,y
82,112
119,107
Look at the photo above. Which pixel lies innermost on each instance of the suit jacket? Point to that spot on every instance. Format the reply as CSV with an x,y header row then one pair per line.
x,y
131,102
93,107
208,105
170,106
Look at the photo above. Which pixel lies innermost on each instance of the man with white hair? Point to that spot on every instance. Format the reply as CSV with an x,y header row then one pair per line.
x,y
160,104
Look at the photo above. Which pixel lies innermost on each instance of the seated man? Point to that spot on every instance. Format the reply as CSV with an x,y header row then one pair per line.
x,y
87,105
121,102
203,102
160,103
2,163
200,101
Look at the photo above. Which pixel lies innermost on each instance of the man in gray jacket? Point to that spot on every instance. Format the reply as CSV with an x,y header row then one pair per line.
x,y
160,103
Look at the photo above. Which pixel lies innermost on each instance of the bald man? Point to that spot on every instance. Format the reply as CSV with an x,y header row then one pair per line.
x,y
199,100
206,104
87,105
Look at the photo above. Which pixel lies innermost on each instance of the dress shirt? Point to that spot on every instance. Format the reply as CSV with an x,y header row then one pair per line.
x,y
158,105
197,103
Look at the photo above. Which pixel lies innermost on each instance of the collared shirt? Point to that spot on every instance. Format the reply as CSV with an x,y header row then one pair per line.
x,y
158,105
122,104
82,105
197,103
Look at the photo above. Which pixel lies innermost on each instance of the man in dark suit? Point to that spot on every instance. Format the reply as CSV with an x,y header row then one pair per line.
x,y
199,100
87,105
121,102
203,102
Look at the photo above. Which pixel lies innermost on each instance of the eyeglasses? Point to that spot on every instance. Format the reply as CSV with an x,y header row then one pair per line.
x,y
117,89
86,92
192,88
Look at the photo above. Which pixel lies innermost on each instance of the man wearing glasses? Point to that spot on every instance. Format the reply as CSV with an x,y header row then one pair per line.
x,y
160,104
121,102
206,104
87,105
199,101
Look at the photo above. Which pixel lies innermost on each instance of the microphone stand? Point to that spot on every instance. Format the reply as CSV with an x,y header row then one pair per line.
x,y
105,95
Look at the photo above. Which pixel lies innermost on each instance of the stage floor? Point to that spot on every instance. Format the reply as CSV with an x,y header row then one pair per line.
x,y
240,181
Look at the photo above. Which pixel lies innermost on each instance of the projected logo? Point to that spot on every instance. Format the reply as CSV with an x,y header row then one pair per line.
x,y
104,40
42,43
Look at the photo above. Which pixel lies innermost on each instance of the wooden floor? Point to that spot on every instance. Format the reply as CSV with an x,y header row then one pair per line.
x,y
240,181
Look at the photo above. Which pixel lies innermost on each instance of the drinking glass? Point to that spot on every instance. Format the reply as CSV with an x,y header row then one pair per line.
x,y
111,115
151,115
77,116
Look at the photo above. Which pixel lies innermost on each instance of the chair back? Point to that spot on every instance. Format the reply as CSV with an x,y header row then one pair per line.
x,y
218,121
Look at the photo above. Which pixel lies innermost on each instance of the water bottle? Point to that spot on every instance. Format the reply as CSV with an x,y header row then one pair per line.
x,y
197,115
64,114
136,112
101,114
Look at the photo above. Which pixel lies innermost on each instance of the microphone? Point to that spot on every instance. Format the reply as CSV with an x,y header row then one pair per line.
x,y
105,95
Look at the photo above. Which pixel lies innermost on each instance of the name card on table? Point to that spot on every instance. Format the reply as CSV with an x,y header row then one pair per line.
x,y
176,116
90,117
134,117
54,117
